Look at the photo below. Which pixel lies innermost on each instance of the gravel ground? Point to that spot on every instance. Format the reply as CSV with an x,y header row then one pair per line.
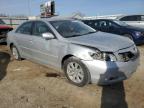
x,y
24,84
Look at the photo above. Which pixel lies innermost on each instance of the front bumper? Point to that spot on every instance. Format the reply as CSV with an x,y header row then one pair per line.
x,y
139,41
106,72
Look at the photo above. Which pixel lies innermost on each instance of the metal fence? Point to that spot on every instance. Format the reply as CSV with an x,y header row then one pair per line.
x,y
14,22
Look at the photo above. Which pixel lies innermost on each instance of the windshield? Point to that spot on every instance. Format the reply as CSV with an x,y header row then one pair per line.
x,y
121,23
72,28
1,22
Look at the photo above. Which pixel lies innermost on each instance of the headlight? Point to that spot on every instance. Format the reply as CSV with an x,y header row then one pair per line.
x,y
138,34
105,56
96,55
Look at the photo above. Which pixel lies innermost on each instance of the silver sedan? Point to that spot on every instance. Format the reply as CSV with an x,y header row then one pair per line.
x,y
85,55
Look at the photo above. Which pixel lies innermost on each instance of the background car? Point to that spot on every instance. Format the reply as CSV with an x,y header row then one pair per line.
x,y
134,20
4,29
117,27
70,45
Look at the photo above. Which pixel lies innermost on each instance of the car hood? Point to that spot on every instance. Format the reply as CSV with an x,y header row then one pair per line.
x,y
103,41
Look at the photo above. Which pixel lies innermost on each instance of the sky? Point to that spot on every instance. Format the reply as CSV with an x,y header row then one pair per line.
x,y
67,7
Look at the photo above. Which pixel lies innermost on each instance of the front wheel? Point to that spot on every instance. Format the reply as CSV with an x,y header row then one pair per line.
x,y
76,72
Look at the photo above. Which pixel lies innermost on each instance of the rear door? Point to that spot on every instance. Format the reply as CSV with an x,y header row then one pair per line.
x,y
113,28
23,39
44,51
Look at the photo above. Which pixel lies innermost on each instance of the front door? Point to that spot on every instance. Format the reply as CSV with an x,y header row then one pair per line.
x,y
44,51
113,28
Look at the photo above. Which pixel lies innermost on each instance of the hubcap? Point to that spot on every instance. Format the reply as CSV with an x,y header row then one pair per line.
x,y
75,72
15,53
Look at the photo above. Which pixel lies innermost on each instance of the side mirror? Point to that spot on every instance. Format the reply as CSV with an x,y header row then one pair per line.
x,y
47,36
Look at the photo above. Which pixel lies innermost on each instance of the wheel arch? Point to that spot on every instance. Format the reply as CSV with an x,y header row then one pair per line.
x,y
85,67
65,58
10,45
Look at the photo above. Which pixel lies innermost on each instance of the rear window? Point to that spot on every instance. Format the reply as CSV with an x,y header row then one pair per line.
x,y
91,23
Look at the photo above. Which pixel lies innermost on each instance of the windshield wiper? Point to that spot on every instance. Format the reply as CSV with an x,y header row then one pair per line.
x,y
90,32
73,35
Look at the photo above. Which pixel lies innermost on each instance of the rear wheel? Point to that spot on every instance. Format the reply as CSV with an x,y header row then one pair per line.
x,y
76,72
15,53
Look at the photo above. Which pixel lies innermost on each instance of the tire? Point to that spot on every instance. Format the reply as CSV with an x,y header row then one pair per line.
x,y
129,36
76,72
15,53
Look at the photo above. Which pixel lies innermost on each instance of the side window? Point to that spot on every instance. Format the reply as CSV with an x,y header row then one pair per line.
x,y
142,18
25,28
96,24
40,28
85,21
125,18
112,25
88,22
102,24
91,23
131,18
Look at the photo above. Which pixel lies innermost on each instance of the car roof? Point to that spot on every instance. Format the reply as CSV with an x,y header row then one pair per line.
x,y
54,19
121,16
100,20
